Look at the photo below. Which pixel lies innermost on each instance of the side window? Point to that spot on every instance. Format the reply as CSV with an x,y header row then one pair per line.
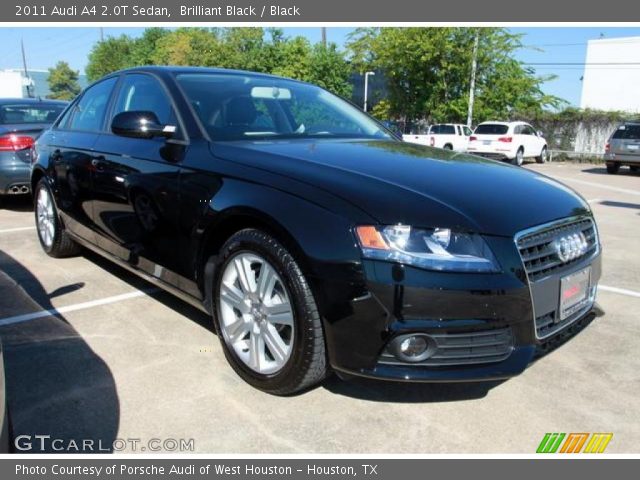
x,y
144,92
467,131
88,113
518,130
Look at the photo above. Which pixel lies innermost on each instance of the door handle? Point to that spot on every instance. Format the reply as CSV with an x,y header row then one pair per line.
x,y
98,163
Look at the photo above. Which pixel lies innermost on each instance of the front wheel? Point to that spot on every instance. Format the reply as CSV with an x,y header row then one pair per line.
x,y
542,158
266,316
613,167
54,239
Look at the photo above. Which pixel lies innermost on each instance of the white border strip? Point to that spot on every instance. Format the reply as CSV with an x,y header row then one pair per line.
x,y
263,23
621,291
73,308
17,229
599,185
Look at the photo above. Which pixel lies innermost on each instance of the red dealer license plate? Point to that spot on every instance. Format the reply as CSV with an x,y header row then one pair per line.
x,y
574,292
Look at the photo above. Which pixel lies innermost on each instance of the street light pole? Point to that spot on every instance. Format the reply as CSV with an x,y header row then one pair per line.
x,y
472,87
366,87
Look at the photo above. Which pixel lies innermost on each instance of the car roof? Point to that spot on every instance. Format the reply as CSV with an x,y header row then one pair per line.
x,y
24,101
177,69
490,122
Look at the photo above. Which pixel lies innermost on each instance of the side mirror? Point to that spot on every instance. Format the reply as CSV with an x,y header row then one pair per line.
x,y
540,133
140,124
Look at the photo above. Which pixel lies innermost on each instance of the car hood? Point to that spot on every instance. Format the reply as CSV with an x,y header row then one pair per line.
x,y
397,182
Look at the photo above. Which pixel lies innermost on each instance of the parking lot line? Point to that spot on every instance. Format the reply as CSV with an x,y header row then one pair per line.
x,y
599,185
621,291
18,229
78,306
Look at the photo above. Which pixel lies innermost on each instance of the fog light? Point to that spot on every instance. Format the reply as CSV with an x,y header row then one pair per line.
x,y
412,348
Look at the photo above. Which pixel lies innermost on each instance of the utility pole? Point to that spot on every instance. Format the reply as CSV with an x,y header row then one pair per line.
x,y
101,34
324,36
26,72
474,67
366,87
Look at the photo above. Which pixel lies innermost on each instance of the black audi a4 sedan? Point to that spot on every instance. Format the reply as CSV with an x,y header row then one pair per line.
x,y
316,239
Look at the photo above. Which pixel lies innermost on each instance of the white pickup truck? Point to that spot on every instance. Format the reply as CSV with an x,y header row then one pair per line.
x,y
450,136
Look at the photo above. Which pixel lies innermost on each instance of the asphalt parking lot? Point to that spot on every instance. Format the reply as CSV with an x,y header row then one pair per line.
x,y
91,352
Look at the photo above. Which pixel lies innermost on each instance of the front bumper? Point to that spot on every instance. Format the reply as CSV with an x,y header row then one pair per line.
x,y
457,307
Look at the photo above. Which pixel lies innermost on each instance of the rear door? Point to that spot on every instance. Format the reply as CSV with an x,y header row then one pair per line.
x,y
625,143
69,147
136,184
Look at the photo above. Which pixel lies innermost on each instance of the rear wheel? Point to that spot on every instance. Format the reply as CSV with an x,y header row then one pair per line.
x,y
54,239
519,158
542,158
266,316
613,167
448,147
635,169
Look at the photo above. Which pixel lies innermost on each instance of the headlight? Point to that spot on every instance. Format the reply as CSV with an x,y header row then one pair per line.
x,y
434,248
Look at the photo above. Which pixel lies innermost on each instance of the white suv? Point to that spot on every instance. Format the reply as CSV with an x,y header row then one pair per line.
x,y
513,141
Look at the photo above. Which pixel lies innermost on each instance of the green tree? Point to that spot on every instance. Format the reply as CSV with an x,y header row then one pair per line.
x,y
63,82
109,55
428,70
143,48
330,70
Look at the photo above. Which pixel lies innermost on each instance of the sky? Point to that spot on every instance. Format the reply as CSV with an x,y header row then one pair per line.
x,y
44,46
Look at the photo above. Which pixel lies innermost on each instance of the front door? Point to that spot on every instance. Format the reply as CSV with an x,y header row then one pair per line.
x,y
136,185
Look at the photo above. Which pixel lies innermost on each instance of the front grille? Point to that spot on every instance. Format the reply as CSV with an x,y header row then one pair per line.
x,y
453,349
537,250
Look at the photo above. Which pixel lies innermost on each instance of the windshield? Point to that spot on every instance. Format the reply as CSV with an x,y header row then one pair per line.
x,y
241,107
491,129
29,113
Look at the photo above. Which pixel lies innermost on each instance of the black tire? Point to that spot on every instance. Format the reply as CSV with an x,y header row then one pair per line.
x,y
634,168
448,147
307,364
542,158
613,167
519,158
62,245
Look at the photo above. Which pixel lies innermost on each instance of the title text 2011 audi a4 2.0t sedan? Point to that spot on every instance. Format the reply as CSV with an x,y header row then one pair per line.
x,y
316,239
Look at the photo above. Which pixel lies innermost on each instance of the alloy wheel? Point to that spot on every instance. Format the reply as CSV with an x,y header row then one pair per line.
x,y
256,314
45,217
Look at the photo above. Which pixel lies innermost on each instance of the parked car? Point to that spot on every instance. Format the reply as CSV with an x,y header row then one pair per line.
x,y
21,121
623,148
511,141
450,136
316,240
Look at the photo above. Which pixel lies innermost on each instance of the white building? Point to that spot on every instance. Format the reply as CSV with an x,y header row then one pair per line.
x,y
612,75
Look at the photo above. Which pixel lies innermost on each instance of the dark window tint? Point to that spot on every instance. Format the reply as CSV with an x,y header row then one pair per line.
x,y
443,130
29,113
491,129
88,113
627,132
144,93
